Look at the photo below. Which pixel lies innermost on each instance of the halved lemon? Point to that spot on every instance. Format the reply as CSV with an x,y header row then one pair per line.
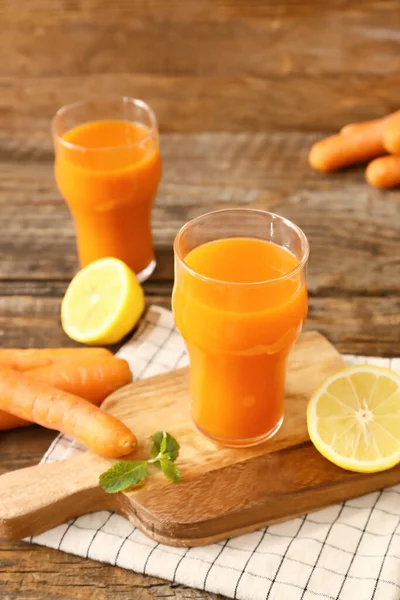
x,y
353,418
103,303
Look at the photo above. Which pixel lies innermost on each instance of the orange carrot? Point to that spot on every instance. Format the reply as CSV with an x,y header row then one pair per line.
x,y
384,172
36,401
373,127
339,150
33,358
391,136
351,128
8,421
93,378
357,142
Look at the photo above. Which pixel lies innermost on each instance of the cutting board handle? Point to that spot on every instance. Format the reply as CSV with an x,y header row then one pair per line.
x,y
38,498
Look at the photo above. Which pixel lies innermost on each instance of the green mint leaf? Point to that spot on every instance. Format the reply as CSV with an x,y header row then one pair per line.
x,y
164,443
123,475
157,439
170,469
171,447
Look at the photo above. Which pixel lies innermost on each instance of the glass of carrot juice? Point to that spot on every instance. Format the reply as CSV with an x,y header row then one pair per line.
x,y
239,301
108,167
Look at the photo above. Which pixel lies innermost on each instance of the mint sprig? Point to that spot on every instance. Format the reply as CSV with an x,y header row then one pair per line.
x,y
164,446
127,473
123,475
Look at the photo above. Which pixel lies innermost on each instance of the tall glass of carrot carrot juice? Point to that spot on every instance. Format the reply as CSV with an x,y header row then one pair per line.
x,y
239,301
108,167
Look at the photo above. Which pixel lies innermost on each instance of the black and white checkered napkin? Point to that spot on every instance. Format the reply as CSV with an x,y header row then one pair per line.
x,y
349,551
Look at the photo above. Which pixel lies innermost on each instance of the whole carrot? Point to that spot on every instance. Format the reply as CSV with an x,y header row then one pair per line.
x,y
33,358
357,142
93,379
36,401
384,172
391,136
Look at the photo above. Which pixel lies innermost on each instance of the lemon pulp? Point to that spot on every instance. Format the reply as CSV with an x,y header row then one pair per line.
x,y
353,418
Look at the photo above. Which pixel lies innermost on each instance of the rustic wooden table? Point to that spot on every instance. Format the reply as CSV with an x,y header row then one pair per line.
x,y
242,89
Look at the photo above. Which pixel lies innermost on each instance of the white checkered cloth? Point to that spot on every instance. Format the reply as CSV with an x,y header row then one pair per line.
x,y
349,551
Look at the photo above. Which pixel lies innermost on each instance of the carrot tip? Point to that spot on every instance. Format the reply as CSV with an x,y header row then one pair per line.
x,y
129,444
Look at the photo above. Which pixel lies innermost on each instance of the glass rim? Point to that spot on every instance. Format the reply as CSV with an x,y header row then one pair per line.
x,y
297,269
153,129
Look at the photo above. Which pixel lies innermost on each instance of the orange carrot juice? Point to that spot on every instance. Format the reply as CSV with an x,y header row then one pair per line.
x,y
108,172
239,311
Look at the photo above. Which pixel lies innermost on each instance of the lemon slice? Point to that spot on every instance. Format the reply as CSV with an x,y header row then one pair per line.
x,y
353,419
103,303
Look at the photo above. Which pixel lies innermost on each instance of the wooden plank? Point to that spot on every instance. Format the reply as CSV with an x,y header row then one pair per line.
x,y
22,447
354,230
237,162
232,103
280,65
354,324
251,39
358,325
32,321
35,572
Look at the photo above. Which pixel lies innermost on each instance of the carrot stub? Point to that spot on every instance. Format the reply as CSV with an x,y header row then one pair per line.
x,y
384,172
33,358
36,401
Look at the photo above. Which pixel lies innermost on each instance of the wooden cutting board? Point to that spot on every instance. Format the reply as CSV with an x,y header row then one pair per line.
x,y
223,492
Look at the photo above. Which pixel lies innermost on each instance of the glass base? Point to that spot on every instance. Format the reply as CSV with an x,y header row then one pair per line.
x,y
241,443
146,272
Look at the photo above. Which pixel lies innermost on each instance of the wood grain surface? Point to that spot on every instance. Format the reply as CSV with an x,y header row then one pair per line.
x,y
267,79
204,64
354,232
